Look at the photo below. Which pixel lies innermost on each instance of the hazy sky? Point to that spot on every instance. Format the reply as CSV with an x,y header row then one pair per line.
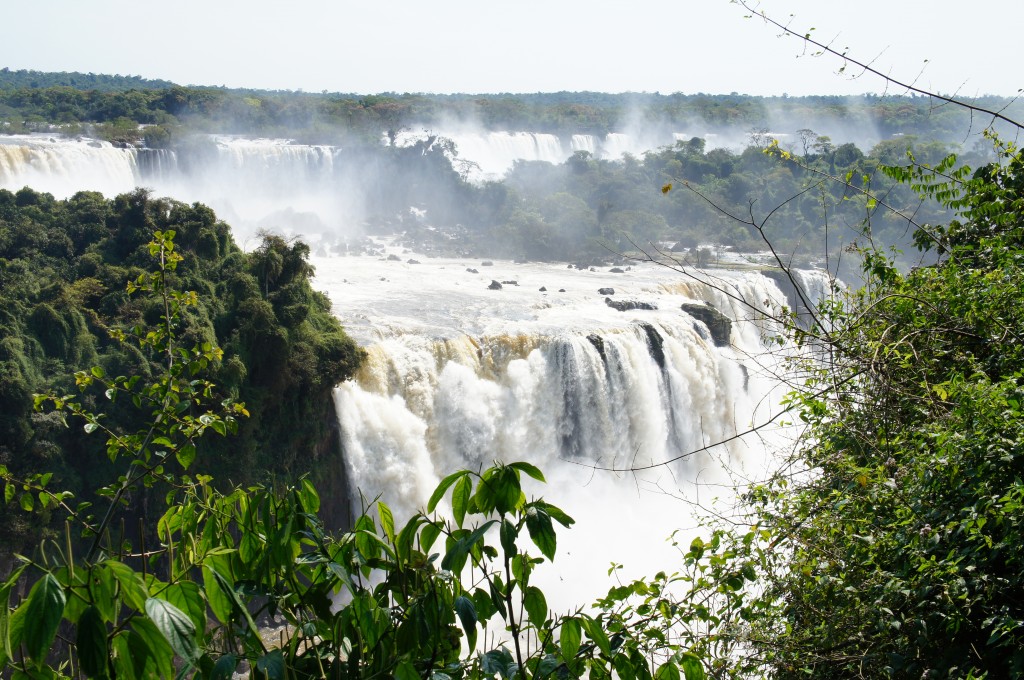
x,y
521,46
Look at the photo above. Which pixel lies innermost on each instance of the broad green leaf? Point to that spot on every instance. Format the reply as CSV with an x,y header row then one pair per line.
x,y
17,627
365,531
531,470
43,612
438,494
404,542
467,615
538,523
235,604
508,491
461,494
536,605
483,604
91,643
547,666
186,455
387,520
309,497
372,539
455,558
428,535
251,547
624,667
188,597
667,671
597,634
148,643
693,669
271,666
133,590
507,535
498,489
496,661
220,603
557,514
569,638
224,669
176,627
406,671
5,624
129,665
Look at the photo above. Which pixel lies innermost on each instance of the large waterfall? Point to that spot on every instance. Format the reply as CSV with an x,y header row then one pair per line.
x,y
543,369
459,375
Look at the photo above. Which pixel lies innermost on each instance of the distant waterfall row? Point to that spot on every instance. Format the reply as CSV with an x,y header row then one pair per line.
x,y
493,153
266,183
224,165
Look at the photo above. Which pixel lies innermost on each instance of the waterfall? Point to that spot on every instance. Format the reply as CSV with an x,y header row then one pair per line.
x,y
63,167
586,143
458,376
495,152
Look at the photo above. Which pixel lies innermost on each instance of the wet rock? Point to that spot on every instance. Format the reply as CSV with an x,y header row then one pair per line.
x,y
616,270
627,305
561,290
718,324
606,291
598,342
511,283
655,344
543,289
486,263
471,270
495,285
394,258
411,261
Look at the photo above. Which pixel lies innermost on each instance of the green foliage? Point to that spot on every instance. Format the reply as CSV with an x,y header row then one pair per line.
x,y
897,551
64,308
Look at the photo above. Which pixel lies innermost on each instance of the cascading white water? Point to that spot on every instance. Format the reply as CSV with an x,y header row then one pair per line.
x,y
494,153
250,183
266,183
63,167
459,375
586,143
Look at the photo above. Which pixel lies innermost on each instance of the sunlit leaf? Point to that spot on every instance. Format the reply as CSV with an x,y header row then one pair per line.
x,y
569,638
439,492
176,627
43,613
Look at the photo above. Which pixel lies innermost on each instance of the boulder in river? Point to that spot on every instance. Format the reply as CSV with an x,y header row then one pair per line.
x,y
718,324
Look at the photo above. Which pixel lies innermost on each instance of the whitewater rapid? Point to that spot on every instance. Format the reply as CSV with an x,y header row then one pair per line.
x,y
459,375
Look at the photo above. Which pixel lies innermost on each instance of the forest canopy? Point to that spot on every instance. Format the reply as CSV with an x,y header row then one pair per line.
x,y
64,266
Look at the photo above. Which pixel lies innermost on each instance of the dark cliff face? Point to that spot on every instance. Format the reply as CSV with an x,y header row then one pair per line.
x,y
719,325
329,474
